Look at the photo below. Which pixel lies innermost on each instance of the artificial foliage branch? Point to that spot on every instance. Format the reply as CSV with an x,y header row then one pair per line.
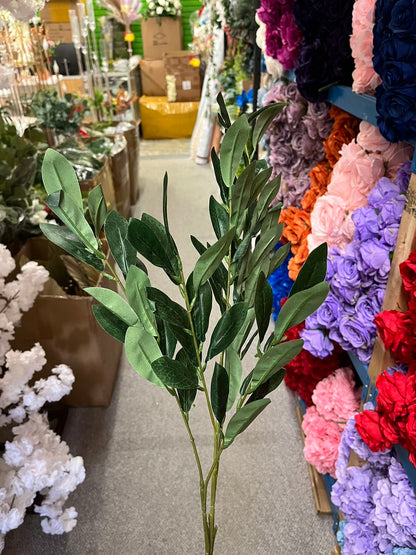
x,y
167,343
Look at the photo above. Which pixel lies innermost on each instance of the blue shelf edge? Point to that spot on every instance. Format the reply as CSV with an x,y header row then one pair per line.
x,y
362,106
410,469
369,392
328,482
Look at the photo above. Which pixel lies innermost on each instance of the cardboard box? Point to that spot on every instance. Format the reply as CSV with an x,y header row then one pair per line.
x,y
160,35
167,120
66,328
59,32
56,11
187,79
153,77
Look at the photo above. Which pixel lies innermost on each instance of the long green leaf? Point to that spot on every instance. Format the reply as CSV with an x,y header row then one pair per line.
x,y
167,339
263,304
218,176
110,322
168,310
223,111
274,359
242,419
219,392
313,271
165,238
173,373
97,207
115,228
137,283
267,195
244,331
73,217
268,386
69,242
278,258
259,184
211,259
141,350
59,175
232,148
219,217
263,248
300,306
146,242
114,303
235,371
227,329
241,191
201,311
264,120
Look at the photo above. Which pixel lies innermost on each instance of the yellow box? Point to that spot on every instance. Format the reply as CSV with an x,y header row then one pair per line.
x,y
167,120
56,11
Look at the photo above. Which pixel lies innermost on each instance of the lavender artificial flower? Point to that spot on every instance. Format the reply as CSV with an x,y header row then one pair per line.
x,y
385,190
374,259
329,312
366,223
403,176
317,343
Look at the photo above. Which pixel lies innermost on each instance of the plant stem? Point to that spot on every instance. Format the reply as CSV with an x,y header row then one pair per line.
x,y
114,274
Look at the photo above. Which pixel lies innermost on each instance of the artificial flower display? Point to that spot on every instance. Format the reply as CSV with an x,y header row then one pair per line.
x,y
358,276
296,136
362,163
282,35
161,8
325,56
376,499
35,460
365,79
335,400
395,62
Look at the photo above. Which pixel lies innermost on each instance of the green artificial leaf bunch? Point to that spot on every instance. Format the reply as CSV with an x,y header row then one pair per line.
x,y
167,342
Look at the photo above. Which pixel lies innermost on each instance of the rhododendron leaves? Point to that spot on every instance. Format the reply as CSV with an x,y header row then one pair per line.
x,y
235,371
225,118
264,119
240,193
219,217
268,386
73,217
313,271
110,322
219,392
211,259
69,242
263,303
59,175
174,373
227,329
242,419
113,302
201,311
137,283
97,208
217,170
141,350
145,239
300,306
232,148
273,360
124,253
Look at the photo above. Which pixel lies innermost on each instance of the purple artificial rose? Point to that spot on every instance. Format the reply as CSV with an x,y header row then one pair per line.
x,y
391,211
355,332
295,112
403,176
389,235
366,223
347,270
311,322
284,157
317,343
366,310
329,312
383,191
374,259
297,141
340,288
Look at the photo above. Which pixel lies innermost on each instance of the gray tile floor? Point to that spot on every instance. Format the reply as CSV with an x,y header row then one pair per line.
x,y
140,496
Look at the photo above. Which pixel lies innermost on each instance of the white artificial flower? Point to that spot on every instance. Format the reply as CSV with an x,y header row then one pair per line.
x,y
159,10
39,217
7,263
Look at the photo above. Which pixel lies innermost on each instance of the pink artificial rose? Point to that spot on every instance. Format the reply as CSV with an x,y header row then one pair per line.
x,y
362,46
365,79
336,397
395,156
363,13
328,220
370,139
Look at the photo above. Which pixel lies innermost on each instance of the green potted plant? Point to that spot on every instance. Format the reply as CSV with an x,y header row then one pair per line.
x,y
168,343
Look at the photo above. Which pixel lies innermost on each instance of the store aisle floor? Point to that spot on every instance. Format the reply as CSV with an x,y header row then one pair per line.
x,y
141,494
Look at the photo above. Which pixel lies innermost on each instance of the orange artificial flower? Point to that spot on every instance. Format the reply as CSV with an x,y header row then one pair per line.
x,y
296,263
345,129
297,226
320,177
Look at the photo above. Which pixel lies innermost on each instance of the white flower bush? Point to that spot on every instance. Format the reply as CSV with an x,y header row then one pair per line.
x,y
161,8
36,460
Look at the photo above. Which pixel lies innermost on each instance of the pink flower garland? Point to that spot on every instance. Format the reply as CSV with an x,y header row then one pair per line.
x,y
335,399
363,162
365,79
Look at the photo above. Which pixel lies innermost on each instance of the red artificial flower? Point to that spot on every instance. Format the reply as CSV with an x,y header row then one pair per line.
x,y
390,429
408,272
392,396
388,323
396,330
368,426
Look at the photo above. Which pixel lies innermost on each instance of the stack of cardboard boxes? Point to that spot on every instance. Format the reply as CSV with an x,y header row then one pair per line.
x,y
56,20
167,112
